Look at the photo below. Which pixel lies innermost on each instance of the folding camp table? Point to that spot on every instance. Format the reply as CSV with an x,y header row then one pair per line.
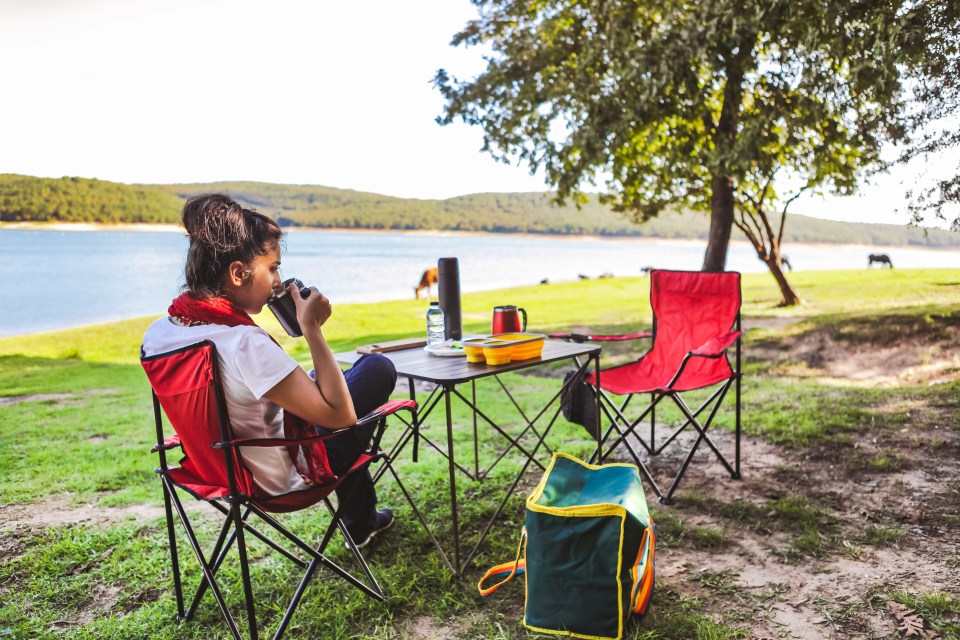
x,y
447,374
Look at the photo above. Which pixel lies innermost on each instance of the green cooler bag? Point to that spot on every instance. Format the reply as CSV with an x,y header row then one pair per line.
x,y
586,551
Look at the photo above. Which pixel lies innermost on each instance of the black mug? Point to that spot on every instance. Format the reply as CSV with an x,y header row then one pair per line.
x,y
283,307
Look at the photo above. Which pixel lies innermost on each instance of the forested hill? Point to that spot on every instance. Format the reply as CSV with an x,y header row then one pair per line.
x,y
25,198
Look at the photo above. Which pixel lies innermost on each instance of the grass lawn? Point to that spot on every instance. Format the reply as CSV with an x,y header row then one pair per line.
x,y
83,550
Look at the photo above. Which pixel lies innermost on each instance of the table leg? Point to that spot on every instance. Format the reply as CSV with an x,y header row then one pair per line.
x,y
453,483
476,445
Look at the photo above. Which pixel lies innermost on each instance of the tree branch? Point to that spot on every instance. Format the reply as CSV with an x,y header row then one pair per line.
x,y
783,214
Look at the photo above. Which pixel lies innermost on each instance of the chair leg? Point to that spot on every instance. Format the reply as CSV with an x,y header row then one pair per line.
x,y
208,574
702,428
616,416
219,553
172,539
245,571
696,414
653,425
701,437
736,475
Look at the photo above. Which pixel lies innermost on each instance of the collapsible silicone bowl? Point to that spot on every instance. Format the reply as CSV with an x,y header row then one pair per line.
x,y
523,345
497,352
474,349
527,350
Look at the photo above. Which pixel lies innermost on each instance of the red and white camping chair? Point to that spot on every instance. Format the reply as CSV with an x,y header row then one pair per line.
x,y
696,324
186,388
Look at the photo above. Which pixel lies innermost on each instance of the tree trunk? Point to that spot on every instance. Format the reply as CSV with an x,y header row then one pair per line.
x,y
721,223
789,297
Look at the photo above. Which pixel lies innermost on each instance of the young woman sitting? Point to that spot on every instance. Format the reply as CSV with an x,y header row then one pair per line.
x,y
232,269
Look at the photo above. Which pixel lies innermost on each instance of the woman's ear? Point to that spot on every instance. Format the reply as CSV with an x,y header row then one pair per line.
x,y
236,274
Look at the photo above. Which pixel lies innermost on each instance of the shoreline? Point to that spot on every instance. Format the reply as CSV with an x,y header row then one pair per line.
x,y
152,316
150,227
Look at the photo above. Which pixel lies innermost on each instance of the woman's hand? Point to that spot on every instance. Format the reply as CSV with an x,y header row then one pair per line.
x,y
313,311
325,400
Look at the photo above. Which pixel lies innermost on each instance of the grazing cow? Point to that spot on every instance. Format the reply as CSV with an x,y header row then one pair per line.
x,y
583,277
545,281
880,258
427,280
785,263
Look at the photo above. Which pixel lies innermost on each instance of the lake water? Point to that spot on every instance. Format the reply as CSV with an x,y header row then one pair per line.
x,y
53,279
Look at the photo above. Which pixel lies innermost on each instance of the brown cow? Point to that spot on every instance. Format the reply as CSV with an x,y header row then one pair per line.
x,y
880,258
427,280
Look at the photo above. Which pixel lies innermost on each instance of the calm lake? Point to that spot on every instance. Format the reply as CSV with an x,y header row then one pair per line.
x,y
53,279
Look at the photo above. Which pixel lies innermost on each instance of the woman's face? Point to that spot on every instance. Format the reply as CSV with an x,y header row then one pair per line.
x,y
258,280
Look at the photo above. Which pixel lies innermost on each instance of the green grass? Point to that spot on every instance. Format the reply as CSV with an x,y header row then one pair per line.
x,y
85,443
940,610
883,536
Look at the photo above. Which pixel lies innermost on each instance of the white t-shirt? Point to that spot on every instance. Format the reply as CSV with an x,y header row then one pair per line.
x,y
250,365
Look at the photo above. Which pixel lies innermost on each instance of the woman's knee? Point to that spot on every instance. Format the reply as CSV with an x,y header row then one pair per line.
x,y
373,374
381,368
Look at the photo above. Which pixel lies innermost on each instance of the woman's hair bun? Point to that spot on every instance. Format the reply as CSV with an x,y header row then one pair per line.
x,y
216,221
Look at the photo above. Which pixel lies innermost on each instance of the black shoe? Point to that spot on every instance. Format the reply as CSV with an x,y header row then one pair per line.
x,y
384,521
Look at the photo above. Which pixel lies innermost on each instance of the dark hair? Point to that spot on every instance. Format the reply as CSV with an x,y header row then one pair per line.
x,y
222,231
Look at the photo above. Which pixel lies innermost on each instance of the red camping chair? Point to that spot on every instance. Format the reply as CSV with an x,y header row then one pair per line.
x,y
186,384
696,319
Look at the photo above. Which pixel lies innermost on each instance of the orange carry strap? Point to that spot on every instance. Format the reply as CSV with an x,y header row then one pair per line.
x,y
507,569
643,585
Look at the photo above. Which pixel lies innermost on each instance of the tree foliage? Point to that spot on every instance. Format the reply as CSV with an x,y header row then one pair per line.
x,y
935,121
25,198
699,105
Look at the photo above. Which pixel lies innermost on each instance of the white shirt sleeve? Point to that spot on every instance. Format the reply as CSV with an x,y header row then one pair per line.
x,y
262,363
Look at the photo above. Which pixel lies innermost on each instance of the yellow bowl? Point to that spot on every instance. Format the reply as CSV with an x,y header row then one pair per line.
x,y
474,349
525,345
474,354
527,350
497,352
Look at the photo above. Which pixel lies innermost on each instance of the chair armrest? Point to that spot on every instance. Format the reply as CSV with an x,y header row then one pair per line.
x,y
170,442
715,346
387,408
579,337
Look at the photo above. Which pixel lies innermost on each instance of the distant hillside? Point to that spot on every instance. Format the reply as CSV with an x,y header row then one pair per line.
x,y
29,199
24,198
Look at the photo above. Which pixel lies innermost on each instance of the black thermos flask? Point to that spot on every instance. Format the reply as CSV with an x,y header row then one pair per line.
x,y
448,284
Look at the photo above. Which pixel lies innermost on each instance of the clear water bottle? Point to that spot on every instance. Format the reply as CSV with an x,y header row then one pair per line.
x,y
435,328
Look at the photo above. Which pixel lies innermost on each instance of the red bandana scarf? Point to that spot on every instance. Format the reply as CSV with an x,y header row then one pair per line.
x,y
310,459
217,310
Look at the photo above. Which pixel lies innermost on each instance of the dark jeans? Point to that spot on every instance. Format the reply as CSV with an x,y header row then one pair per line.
x,y
371,381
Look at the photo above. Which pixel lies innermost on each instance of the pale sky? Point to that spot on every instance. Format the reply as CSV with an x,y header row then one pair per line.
x,y
289,91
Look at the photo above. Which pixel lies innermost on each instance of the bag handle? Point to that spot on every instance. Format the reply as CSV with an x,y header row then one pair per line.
x,y
511,569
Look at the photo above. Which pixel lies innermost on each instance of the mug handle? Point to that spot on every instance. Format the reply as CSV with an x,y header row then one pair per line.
x,y
523,312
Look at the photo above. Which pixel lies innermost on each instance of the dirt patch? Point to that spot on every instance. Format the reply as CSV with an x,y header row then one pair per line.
x,y
58,511
874,365
837,595
427,628
60,398
10,401
102,600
